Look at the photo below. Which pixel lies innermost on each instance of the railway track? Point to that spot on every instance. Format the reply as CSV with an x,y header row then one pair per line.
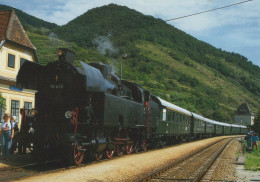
x,y
189,168
23,171
31,169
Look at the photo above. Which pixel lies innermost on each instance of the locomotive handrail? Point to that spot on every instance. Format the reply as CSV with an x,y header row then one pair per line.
x,y
75,119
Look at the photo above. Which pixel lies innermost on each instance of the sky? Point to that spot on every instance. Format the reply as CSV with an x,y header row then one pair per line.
x,y
234,29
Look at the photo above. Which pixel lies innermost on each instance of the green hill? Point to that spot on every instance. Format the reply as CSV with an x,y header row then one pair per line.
x,y
165,60
171,63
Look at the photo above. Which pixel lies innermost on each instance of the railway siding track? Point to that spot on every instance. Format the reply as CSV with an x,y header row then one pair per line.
x,y
191,167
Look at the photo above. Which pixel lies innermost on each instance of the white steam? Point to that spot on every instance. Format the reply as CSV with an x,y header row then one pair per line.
x,y
53,38
105,45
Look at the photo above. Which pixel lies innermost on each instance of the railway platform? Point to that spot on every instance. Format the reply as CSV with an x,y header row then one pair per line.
x,y
125,168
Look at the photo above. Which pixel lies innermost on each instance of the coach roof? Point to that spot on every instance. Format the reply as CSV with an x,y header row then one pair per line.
x,y
173,107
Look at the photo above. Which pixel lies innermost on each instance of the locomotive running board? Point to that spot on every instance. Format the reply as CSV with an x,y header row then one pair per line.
x,y
85,144
122,141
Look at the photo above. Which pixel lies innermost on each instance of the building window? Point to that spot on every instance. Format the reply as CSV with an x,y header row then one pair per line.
x,y
2,110
22,60
11,60
15,109
27,105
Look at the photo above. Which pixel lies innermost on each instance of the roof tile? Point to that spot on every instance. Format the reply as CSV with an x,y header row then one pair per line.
x,y
12,29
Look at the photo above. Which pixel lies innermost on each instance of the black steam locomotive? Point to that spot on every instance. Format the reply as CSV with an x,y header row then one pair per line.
x,y
88,111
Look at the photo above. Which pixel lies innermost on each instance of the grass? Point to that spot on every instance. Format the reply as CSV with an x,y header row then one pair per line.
x,y
253,160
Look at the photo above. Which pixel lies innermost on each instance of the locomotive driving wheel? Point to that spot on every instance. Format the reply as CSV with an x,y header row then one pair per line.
x,y
78,154
110,153
120,149
129,148
99,155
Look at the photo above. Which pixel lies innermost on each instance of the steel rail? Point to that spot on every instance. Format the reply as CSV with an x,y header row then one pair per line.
x,y
203,171
163,169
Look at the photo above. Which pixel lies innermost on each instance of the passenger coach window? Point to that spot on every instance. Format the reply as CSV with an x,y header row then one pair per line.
x,y
11,60
173,116
164,115
168,116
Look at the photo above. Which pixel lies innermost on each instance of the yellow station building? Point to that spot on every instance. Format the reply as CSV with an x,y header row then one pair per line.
x,y
15,49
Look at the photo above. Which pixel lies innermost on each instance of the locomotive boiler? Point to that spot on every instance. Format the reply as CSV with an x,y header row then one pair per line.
x,y
85,110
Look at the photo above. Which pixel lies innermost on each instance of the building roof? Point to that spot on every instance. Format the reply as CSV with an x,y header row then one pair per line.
x,y
244,109
12,30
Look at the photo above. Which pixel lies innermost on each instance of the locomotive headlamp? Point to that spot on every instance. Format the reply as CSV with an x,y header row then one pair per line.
x,y
32,113
68,114
59,52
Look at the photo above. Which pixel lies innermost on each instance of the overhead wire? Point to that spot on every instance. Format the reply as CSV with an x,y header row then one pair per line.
x,y
202,12
177,18
194,14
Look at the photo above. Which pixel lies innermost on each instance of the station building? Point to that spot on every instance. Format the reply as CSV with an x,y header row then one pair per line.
x,y
244,115
15,49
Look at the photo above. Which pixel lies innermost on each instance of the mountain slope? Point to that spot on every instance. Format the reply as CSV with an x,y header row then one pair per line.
x,y
169,62
165,60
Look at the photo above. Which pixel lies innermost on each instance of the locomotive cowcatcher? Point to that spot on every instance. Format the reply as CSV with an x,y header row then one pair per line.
x,y
84,111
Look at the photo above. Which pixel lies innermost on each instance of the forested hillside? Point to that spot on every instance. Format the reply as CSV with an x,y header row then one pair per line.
x,y
165,60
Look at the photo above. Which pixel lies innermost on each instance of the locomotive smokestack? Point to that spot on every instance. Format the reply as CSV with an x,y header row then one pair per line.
x,y
66,55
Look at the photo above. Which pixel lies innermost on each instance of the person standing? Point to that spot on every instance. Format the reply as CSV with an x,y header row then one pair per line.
x,y
16,130
7,130
249,139
255,141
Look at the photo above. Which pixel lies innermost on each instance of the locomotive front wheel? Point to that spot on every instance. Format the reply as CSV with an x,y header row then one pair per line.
x,y
110,153
120,150
99,155
78,155
129,148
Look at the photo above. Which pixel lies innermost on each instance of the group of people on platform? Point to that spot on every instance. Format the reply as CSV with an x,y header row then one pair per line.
x,y
7,129
252,140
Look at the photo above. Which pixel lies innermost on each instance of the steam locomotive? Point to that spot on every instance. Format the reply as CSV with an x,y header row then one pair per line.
x,y
86,111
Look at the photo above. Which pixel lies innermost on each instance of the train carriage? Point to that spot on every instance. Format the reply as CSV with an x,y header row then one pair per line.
x,y
235,129
210,127
226,128
198,125
173,121
243,130
219,128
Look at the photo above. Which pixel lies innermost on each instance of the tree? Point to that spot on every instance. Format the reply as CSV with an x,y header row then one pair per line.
x,y
256,126
1,100
2,105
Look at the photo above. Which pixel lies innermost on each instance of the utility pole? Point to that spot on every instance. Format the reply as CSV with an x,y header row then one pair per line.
x,y
122,57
